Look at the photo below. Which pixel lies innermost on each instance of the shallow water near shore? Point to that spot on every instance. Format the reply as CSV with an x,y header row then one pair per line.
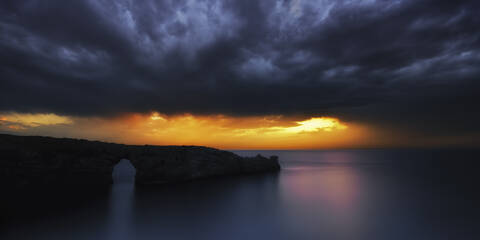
x,y
345,194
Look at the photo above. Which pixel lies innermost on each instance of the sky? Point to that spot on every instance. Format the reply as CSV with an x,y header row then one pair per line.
x,y
270,74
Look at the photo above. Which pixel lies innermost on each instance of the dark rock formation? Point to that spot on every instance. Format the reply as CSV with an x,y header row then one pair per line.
x,y
44,160
156,164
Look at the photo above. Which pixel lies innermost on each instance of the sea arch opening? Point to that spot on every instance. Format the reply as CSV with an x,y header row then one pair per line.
x,y
124,172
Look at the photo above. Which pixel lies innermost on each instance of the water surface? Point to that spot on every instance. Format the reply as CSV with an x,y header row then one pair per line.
x,y
356,194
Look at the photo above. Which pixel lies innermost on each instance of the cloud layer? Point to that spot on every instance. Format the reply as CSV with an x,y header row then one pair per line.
x,y
412,64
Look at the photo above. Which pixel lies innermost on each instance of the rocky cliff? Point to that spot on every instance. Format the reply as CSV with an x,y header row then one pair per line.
x,y
44,160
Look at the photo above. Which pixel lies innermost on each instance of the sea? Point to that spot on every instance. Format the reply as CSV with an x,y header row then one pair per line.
x,y
380,194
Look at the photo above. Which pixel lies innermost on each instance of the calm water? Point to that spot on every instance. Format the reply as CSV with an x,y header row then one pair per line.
x,y
364,194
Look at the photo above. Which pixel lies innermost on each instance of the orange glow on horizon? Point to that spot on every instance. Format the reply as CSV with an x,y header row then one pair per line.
x,y
35,120
220,131
226,132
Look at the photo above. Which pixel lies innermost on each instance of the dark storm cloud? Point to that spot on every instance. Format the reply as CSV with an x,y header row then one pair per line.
x,y
403,63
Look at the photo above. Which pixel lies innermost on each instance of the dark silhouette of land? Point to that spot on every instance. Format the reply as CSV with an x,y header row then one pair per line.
x,y
31,160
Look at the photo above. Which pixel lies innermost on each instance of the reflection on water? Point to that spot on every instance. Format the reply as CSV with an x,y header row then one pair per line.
x,y
318,195
122,201
334,189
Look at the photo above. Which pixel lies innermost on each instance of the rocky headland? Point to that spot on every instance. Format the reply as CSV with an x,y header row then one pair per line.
x,y
32,160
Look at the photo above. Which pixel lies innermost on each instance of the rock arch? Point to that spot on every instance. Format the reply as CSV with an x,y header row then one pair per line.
x,y
46,160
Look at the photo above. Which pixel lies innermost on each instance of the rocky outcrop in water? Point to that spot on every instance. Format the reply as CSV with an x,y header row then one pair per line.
x,y
44,160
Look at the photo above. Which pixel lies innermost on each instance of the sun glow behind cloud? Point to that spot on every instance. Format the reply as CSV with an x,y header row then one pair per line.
x,y
317,124
254,132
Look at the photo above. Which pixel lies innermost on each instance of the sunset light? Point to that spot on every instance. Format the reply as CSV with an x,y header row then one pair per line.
x,y
34,120
317,124
221,131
